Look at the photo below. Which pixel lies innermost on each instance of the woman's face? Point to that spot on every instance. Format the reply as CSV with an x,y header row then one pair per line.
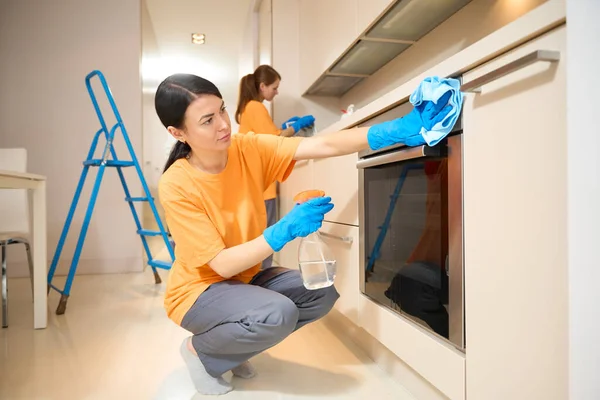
x,y
207,124
268,92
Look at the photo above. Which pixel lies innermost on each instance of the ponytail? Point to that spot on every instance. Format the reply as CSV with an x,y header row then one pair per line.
x,y
248,92
250,84
179,150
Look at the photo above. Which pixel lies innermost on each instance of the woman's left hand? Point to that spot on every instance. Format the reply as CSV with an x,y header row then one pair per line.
x,y
407,129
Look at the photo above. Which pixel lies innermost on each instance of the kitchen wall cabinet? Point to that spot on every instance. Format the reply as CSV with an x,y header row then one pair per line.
x,y
515,222
327,28
343,242
368,11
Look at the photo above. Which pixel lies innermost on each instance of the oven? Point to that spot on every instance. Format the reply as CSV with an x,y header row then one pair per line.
x,y
411,231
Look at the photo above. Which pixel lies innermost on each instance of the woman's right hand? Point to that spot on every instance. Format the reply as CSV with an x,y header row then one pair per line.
x,y
303,220
285,124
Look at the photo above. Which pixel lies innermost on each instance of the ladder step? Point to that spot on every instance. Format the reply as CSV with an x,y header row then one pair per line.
x,y
147,232
109,163
160,264
133,199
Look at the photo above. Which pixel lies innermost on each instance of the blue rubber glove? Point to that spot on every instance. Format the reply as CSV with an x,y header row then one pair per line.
x,y
407,129
293,119
303,220
303,122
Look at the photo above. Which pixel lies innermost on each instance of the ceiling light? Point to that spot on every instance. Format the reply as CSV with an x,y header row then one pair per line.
x,y
198,38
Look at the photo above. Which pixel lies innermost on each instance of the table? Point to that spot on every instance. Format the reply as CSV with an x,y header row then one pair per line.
x,y
37,183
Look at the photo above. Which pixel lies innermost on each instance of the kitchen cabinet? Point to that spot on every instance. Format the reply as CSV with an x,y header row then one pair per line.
x,y
343,242
351,40
338,177
515,222
300,179
327,28
368,11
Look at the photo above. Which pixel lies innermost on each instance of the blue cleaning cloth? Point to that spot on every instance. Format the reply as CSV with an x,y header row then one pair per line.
x,y
431,89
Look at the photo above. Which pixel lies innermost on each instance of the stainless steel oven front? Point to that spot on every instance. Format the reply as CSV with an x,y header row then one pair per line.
x,y
411,233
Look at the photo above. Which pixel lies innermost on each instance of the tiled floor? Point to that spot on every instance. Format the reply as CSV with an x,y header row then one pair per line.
x,y
115,342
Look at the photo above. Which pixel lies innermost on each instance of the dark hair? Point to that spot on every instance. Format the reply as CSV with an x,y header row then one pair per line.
x,y
171,101
250,84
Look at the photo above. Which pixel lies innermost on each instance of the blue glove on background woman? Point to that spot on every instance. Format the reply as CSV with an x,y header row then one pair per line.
x,y
303,122
285,124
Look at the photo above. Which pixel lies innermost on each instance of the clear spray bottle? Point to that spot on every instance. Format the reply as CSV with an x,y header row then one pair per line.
x,y
315,260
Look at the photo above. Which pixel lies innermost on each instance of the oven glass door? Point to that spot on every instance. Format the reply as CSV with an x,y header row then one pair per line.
x,y
408,245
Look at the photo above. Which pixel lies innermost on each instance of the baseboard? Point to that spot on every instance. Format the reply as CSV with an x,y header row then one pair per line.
x,y
386,360
85,267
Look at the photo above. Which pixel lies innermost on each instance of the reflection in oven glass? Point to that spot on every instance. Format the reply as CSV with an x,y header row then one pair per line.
x,y
406,239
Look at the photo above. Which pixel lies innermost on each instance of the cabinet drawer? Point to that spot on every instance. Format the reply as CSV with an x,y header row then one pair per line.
x,y
338,177
343,242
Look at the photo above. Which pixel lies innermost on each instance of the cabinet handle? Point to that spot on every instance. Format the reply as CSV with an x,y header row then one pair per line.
x,y
538,55
345,239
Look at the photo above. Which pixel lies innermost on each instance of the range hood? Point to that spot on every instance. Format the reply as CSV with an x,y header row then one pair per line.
x,y
400,26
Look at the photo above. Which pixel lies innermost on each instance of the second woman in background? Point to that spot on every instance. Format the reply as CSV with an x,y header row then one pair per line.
x,y
252,116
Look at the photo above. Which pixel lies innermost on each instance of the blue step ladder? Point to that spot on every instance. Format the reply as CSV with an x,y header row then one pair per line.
x,y
108,159
375,252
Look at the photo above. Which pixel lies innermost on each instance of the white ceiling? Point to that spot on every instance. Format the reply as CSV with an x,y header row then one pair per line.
x,y
167,27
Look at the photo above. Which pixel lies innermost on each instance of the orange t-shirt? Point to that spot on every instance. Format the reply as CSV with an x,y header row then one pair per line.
x,y
255,118
207,213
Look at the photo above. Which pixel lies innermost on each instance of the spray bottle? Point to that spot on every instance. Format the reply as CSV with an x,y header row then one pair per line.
x,y
315,259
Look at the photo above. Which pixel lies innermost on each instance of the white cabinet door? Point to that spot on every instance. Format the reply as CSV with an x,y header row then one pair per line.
x,y
515,222
327,28
343,242
338,177
300,179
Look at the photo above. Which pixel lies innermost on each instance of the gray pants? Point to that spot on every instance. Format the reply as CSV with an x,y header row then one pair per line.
x,y
271,206
233,321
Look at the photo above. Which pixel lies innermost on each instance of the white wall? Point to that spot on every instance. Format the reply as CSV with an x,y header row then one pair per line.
x,y
265,40
583,64
248,51
156,140
47,48
265,33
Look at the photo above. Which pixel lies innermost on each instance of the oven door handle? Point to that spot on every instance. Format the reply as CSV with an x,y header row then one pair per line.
x,y
401,155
